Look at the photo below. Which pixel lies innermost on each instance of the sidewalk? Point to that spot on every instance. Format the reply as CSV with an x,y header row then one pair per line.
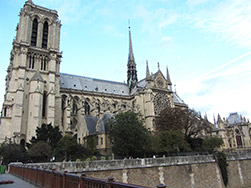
x,y
18,183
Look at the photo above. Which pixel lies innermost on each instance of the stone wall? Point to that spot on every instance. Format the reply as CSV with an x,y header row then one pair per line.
x,y
175,172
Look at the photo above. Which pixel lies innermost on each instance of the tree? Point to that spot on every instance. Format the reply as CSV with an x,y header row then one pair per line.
x,y
187,120
68,149
211,143
49,134
171,141
40,152
189,123
12,153
129,136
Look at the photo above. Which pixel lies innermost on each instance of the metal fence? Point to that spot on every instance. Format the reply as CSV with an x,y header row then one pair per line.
x,y
53,179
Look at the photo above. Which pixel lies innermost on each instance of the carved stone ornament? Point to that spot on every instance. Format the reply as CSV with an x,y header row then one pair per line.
x,y
161,101
160,82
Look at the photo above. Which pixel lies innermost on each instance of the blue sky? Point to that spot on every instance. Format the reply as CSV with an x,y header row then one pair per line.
x,y
206,45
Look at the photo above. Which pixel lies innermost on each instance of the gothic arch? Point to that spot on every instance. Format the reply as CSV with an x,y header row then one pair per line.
x,y
34,32
87,106
45,35
238,138
75,103
98,106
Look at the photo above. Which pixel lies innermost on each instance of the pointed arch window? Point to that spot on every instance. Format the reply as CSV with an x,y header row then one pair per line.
x,y
98,106
64,97
238,138
74,108
87,108
45,35
43,60
5,112
44,104
34,32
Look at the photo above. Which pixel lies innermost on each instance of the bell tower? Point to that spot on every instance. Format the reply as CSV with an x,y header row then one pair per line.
x,y
32,82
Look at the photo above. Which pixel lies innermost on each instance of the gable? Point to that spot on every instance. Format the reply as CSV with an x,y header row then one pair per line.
x,y
159,80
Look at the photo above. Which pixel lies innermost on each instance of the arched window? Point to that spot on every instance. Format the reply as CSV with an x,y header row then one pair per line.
x,y
87,108
74,107
33,62
34,32
44,104
98,106
4,111
63,101
45,35
43,60
101,141
238,138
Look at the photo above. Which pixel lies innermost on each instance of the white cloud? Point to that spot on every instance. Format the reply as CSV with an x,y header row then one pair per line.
x,y
223,90
230,19
156,18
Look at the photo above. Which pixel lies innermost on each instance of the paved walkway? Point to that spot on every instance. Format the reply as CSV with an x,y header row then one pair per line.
x,y
18,183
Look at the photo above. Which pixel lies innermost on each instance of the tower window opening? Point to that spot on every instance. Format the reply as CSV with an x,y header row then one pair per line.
x,y
5,112
29,59
45,35
44,105
33,62
34,33
43,63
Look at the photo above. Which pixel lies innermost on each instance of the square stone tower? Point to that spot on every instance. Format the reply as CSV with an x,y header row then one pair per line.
x,y
32,83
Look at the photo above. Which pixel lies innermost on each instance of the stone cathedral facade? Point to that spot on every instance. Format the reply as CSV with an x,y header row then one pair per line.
x,y
37,93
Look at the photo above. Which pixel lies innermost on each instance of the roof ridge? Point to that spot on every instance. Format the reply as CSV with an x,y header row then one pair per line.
x,y
97,79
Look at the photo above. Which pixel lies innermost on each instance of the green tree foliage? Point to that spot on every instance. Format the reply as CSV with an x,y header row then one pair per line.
x,y
171,141
49,134
187,120
130,138
12,153
211,143
191,125
68,149
40,152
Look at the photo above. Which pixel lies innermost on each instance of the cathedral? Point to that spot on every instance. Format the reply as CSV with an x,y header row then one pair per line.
x,y
37,93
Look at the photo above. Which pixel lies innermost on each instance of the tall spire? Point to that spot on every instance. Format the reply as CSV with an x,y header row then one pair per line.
x,y
147,71
131,56
168,76
131,65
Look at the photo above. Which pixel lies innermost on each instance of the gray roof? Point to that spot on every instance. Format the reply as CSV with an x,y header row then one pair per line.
x,y
102,126
234,118
68,81
91,122
142,83
177,99
97,126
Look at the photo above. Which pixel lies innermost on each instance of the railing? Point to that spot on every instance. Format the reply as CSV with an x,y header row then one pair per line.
x,y
53,179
